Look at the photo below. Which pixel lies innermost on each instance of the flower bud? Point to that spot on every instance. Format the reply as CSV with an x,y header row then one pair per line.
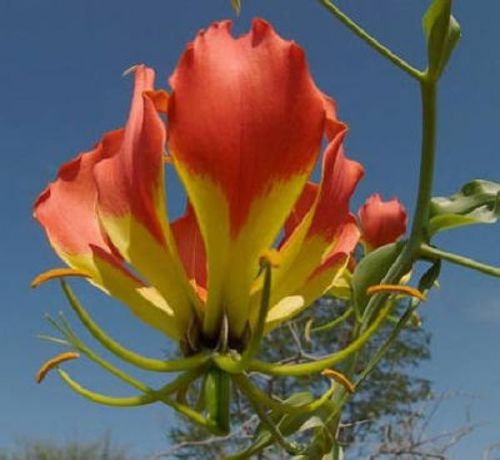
x,y
381,222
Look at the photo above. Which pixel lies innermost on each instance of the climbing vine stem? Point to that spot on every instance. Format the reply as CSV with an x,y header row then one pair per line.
x,y
371,41
417,236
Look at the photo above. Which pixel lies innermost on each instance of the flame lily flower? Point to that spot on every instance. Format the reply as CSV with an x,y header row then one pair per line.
x,y
245,123
382,222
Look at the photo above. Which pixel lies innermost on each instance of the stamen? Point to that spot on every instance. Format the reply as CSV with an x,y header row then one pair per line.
x,y
271,257
55,273
340,378
396,289
192,334
222,344
47,366
307,330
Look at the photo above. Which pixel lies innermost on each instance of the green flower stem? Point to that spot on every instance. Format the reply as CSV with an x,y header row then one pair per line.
x,y
127,355
254,344
328,361
157,395
432,253
147,398
249,388
340,397
65,329
350,365
217,398
337,321
230,363
375,44
80,346
427,162
131,401
375,359
183,379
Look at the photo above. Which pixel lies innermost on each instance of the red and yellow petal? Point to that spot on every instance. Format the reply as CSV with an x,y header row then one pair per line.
x,y
66,209
312,241
245,125
341,176
144,301
305,205
320,279
131,202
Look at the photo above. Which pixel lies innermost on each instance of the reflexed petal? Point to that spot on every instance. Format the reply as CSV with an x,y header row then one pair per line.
x,y
325,275
318,235
382,222
66,209
131,202
245,124
305,205
340,180
323,278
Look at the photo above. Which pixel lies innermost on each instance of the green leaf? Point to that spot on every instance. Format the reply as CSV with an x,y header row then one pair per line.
x,y
337,453
323,441
442,32
290,423
370,271
324,446
236,4
478,202
430,277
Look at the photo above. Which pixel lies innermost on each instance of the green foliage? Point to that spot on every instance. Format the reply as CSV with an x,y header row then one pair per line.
x,y
286,423
48,450
370,271
478,202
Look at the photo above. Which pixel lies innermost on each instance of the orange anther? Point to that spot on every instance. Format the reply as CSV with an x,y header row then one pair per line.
x,y
47,366
272,257
340,378
56,273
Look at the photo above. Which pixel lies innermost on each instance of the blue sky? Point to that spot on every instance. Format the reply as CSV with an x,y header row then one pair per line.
x,y
61,88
